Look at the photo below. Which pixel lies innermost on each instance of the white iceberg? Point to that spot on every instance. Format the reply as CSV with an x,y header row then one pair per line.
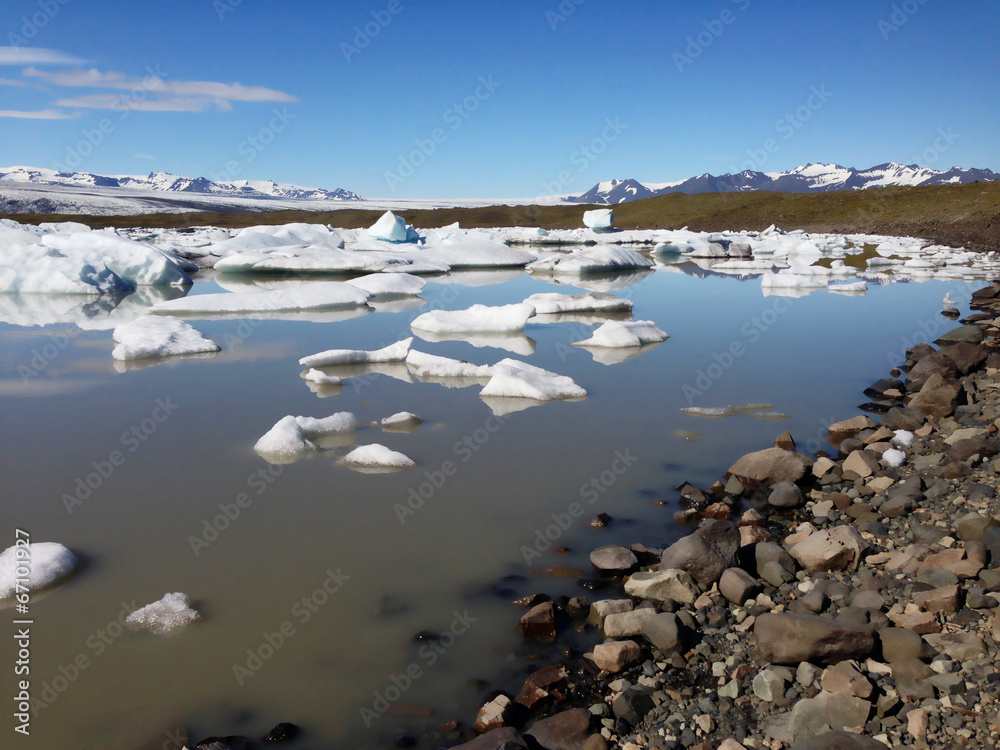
x,y
171,613
388,285
476,319
322,295
313,375
403,421
32,269
850,287
390,228
336,357
515,379
376,458
136,263
474,251
431,366
153,336
293,437
599,218
36,565
623,334
592,260
548,303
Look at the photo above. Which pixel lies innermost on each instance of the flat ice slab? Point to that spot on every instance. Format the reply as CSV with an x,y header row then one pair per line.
x,y
389,285
592,260
154,336
47,563
335,357
515,379
291,438
376,458
625,334
476,319
403,421
322,295
431,366
550,303
168,615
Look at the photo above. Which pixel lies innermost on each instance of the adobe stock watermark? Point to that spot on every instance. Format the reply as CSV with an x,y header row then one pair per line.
x,y
224,7
586,155
592,490
945,139
900,16
131,441
32,25
366,33
428,655
301,612
47,353
787,127
713,29
725,360
230,512
125,104
562,12
929,329
454,118
255,144
463,450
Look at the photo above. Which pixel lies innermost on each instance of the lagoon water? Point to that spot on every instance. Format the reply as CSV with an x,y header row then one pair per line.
x,y
403,552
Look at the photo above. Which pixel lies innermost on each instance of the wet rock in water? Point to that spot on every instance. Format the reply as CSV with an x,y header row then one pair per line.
x,y
494,714
578,607
672,584
224,743
632,705
613,559
541,685
968,334
563,731
785,495
790,639
769,466
505,738
849,428
532,600
839,548
539,622
706,553
600,521
282,733
785,441
614,656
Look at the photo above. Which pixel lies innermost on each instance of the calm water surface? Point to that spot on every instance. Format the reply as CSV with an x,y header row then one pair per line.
x,y
230,674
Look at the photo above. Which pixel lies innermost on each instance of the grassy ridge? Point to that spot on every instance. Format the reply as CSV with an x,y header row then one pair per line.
x,y
957,215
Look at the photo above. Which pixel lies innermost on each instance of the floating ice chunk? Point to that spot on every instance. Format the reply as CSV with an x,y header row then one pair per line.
x,y
851,287
791,281
154,336
514,379
322,295
404,421
47,563
592,260
425,366
616,334
548,303
516,343
313,375
472,251
476,319
293,437
171,613
335,357
721,412
599,218
710,250
386,285
376,458
894,458
136,263
903,438
390,228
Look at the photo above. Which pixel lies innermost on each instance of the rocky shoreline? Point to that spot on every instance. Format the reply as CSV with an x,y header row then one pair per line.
x,y
841,601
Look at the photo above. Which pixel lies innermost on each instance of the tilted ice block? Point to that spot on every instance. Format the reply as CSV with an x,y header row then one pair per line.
x,y
622,334
158,336
333,357
514,379
476,319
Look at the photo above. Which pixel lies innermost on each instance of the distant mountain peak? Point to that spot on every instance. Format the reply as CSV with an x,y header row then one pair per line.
x,y
807,178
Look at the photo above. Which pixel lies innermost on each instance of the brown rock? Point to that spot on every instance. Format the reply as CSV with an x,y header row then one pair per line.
x,y
785,442
937,398
564,731
506,738
718,511
943,600
839,548
494,715
539,622
791,639
862,463
849,428
770,465
846,678
614,656
920,623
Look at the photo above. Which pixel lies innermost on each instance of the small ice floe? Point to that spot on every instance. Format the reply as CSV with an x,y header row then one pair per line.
x,y
321,295
447,371
171,613
291,438
722,412
404,421
551,303
592,260
473,250
312,375
903,438
626,334
948,301
389,285
894,458
155,336
337,357
476,319
391,228
515,379
515,343
783,280
599,219
855,288
35,565
376,459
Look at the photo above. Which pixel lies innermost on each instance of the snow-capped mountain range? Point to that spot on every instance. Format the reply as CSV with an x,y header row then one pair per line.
x,y
809,178
164,182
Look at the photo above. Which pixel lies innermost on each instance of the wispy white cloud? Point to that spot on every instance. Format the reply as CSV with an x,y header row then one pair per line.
x,y
8,82
36,56
144,156
119,102
211,90
44,114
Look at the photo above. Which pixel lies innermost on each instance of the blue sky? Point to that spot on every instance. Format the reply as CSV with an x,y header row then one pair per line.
x,y
470,99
